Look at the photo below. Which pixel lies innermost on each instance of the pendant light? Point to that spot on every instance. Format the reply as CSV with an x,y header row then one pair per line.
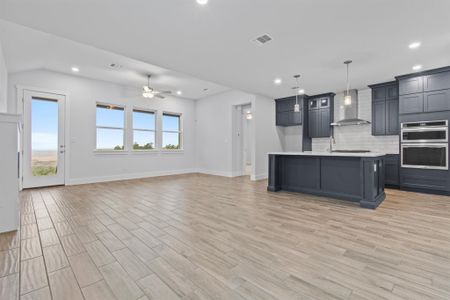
x,y
347,97
297,92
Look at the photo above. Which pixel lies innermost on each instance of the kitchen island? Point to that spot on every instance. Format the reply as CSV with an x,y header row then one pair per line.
x,y
357,177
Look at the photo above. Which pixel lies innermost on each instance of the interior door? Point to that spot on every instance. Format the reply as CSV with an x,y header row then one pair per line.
x,y
43,139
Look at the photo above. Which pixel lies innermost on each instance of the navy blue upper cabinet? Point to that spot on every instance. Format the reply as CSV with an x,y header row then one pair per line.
x,y
438,81
392,117
285,104
385,108
313,123
320,115
285,114
437,101
379,118
295,118
379,94
313,104
324,123
428,91
411,85
411,104
392,91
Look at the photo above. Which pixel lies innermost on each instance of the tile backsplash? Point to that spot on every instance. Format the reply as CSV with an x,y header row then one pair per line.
x,y
357,137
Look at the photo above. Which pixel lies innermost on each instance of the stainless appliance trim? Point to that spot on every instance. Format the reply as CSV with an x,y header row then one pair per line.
x,y
423,124
417,145
425,129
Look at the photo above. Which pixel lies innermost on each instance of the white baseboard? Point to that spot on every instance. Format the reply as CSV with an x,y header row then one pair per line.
x,y
86,180
259,177
215,173
97,179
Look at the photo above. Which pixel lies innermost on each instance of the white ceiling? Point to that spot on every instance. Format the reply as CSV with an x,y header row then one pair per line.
x,y
29,49
213,42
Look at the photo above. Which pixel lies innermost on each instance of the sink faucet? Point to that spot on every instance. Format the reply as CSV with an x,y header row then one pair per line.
x,y
332,140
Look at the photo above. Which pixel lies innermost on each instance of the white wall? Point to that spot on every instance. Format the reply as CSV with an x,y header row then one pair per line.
x,y
357,137
292,138
208,130
85,164
214,132
3,82
267,137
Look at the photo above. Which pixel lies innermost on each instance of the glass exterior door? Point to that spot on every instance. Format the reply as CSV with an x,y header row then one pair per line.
x,y
43,145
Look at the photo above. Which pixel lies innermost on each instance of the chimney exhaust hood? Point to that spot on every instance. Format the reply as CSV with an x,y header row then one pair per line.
x,y
350,111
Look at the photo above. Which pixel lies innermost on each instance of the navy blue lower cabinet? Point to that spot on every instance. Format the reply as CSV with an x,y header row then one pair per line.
x,y
392,170
425,180
353,178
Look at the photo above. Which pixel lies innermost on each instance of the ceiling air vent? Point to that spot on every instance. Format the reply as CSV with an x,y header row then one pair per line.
x,y
261,40
115,66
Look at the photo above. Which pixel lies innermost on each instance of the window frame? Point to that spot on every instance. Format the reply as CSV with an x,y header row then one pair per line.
x,y
155,131
180,131
124,128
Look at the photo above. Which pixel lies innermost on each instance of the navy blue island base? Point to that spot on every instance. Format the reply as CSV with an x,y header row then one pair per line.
x,y
357,177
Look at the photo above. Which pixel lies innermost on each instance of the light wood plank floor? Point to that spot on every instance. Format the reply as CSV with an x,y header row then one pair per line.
x,y
206,237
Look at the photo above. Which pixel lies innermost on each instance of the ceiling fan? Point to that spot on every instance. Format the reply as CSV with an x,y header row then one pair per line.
x,y
149,92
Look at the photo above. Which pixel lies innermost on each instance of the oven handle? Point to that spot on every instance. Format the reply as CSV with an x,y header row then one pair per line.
x,y
404,125
443,145
422,129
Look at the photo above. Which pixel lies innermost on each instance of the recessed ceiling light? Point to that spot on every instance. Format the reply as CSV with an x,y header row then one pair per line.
x,y
277,81
75,69
301,91
202,2
414,45
179,93
417,67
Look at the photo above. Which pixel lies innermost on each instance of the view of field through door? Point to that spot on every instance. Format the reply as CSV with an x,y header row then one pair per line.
x,y
43,139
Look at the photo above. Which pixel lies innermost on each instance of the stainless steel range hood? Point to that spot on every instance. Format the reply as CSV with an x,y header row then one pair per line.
x,y
350,112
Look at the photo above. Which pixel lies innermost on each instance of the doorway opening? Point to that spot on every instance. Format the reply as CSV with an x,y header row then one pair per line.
x,y
247,118
243,140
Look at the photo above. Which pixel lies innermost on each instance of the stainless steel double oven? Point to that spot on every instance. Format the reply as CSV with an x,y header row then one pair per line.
x,y
424,145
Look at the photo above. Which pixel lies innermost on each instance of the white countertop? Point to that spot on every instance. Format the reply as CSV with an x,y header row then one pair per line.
x,y
338,154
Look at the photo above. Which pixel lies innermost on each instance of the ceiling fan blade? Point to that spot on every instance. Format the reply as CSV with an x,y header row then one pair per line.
x,y
166,92
160,96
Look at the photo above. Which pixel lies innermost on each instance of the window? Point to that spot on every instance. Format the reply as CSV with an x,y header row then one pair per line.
x,y
110,127
143,130
171,131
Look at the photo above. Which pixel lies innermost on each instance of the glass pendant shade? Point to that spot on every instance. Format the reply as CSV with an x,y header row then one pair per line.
x,y
348,100
298,92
